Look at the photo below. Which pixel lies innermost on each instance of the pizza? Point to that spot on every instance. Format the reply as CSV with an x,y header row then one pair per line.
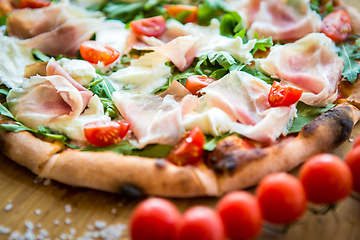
x,y
175,99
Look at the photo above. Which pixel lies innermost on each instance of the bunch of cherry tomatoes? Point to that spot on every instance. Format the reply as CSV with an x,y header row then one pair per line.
x,y
280,199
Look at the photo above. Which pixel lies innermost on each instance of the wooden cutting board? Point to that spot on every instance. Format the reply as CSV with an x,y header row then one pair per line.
x,y
52,209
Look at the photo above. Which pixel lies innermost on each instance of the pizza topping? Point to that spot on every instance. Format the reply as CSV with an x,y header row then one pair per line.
x,y
95,52
282,95
105,133
189,150
81,71
283,20
182,13
33,3
326,179
353,161
195,83
282,198
309,64
337,25
151,27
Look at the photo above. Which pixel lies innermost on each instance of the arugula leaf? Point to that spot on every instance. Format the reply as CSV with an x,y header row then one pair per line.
x,y
3,20
210,9
306,114
262,44
211,141
350,53
39,55
14,127
231,24
5,112
4,91
258,74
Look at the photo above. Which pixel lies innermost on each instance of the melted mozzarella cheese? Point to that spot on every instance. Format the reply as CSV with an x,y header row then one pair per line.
x,y
14,57
82,71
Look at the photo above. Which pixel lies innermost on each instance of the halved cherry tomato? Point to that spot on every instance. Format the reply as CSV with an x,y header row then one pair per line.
x,y
189,150
283,96
337,25
105,133
241,214
200,223
194,83
176,10
151,27
282,198
95,52
33,3
154,218
326,179
353,160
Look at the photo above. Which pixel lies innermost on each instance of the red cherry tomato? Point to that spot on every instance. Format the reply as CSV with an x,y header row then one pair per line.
x,y
189,150
337,25
105,133
154,218
151,27
33,3
282,198
326,179
95,52
356,142
200,223
175,10
195,83
241,214
353,160
283,96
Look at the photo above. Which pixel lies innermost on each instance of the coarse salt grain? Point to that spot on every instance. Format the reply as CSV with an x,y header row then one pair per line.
x,y
47,182
67,208
63,236
44,233
4,230
90,227
38,225
38,180
67,221
8,207
100,224
56,222
29,225
72,231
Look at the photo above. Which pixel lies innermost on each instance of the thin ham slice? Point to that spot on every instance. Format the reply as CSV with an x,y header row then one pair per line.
x,y
54,30
310,64
154,119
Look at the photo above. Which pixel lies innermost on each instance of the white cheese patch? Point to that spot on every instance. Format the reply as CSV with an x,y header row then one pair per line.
x,y
14,57
114,34
82,71
144,75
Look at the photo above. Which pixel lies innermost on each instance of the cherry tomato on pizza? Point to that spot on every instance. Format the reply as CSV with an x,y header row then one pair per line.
x,y
241,214
282,198
33,3
186,13
353,161
154,218
105,133
200,223
95,52
189,150
194,83
326,179
283,96
337,25
356,142
151,27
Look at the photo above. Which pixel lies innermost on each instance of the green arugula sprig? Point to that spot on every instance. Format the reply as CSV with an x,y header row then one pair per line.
x,y
17,126
350,53
210,9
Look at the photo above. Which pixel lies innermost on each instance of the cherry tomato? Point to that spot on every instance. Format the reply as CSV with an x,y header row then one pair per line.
x,y
283,96
154,218
177,10
195,83
337,25
356,142
105,133
33,3
200,223
282,198
326,179
151,27
189,150
95,52
353,160
241,214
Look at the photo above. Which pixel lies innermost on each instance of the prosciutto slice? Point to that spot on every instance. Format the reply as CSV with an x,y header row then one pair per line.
x,y
42,100
152,118
279,19
310,64
243,99
54,30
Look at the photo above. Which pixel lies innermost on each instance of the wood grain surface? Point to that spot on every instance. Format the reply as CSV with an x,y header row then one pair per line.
x,y
63,212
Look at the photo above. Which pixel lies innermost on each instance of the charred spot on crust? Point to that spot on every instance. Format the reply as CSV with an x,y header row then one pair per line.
x,y
336,122
227,156
131,192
